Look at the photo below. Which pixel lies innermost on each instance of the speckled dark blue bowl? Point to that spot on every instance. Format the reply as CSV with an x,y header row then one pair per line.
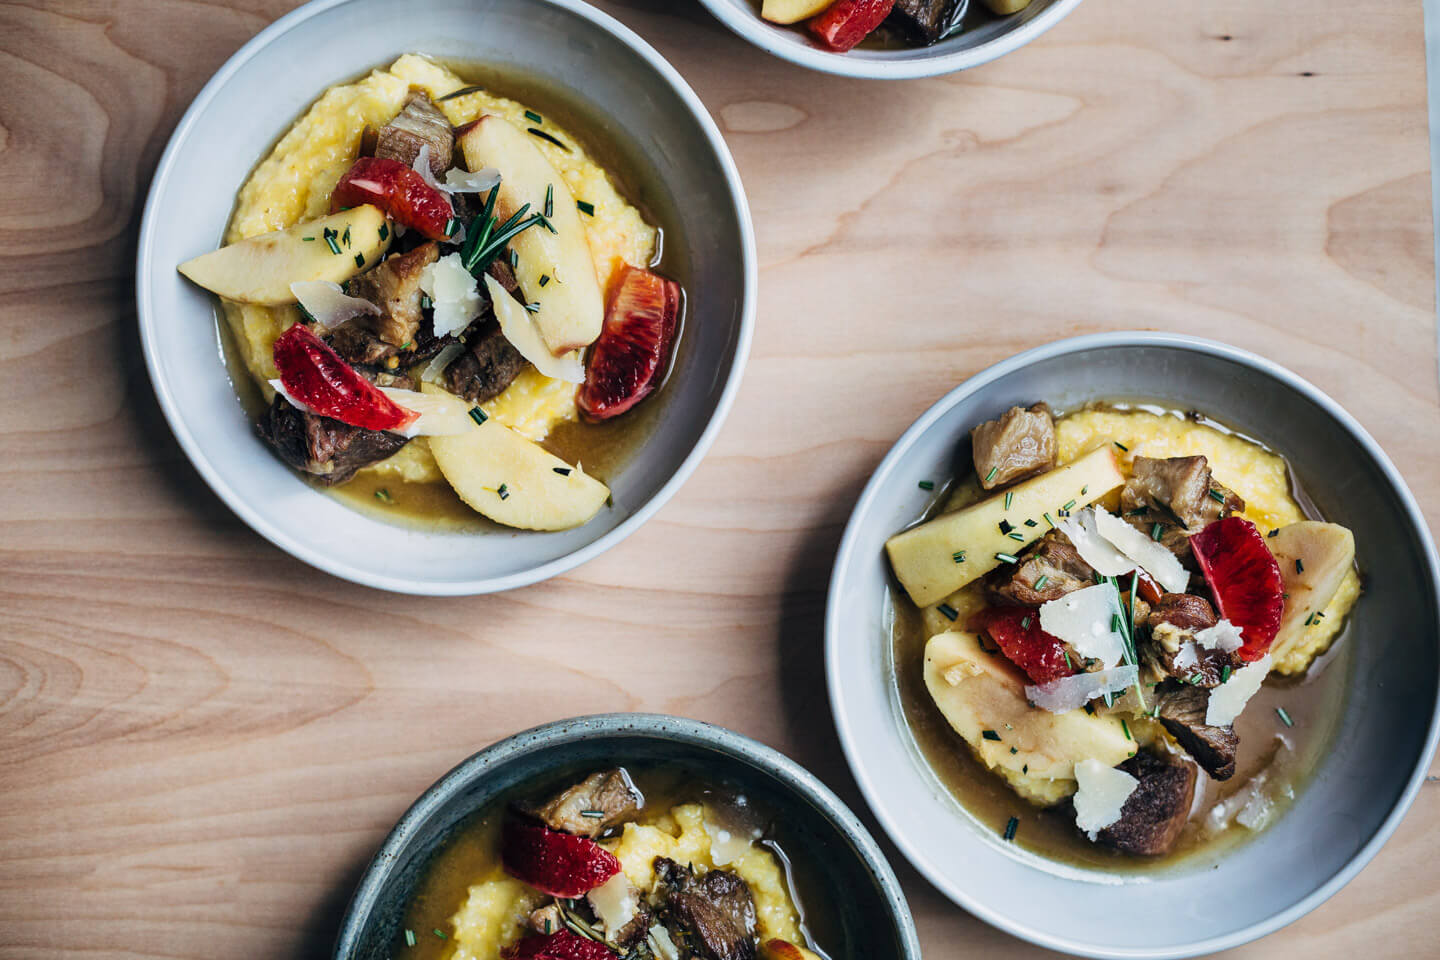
x,y
865,898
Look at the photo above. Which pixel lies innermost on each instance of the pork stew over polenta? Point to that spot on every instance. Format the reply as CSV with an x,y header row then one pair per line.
x,y
427,281
655,866
1102,597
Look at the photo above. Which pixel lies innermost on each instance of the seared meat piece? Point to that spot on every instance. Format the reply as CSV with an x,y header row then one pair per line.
x,y
1183,610
504,275
419,124
487,368
1183,487
1018,445
1182,711
922,20
1152,819
547,919
326,449
590,807
1047,570
1174,621
714,912
394,287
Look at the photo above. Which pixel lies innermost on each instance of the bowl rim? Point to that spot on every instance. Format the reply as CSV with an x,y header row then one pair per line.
x,y
748,25
336,565
599,726
890,823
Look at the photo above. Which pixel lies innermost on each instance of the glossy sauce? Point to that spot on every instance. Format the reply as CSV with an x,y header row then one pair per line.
x,y
603,448
1314,703
471,854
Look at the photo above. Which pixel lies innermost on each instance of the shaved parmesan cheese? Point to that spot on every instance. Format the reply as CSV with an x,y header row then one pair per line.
x,y
1086,619
1072,693
518,325
1223,636
279,388
1228,699
616,902
452,290
1148,554
1101,795
330,305
1093,548
440,361
441,414
1187,657
660,943
463,181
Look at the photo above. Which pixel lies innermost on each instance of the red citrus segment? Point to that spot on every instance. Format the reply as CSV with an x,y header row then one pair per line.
x,y
846,22
628,361
398,190
559,864
319,378
560,945
1245,579
1017,632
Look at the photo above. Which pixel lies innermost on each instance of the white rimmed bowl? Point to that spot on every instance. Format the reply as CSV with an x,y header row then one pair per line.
x,y
1354,799
648,113
975,46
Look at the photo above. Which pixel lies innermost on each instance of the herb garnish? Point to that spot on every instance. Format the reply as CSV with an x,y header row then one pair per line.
x,y
504,492
1009,498
1041,580
330,236
409,937
549,199
1122,446
1047,519
586,207
1156,532
1126,727
1216,495
1007,557
1029,523
947,611
1068,506
927,485
458,93
1224,674
533,306
440,933
451,226
991,475
593,814
563,471
1284,716
958,556
1025,622
544,279
989,734
486,243
384,232
545,136
1005,526
359,259
383,495
345,237
1299,565
1011,827
478,415
1016,536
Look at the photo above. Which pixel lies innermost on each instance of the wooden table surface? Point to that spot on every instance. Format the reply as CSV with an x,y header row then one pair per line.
x,y
202,740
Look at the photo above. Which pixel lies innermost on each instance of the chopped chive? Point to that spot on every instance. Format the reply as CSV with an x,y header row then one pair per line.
x,y
545,136
1066,654
947,611
312,239
450,226
1284,716
384,231
1016,536
549,199
563,471
425,302
359,259
1007,558
545,222
534,117
1156,532
1126,727
989,734
1225,673
409,937
586,207
383,495
1048,520
1310,620
1011,827
1273,532
1005,526
503,492
958,556
330,241
1068,505
593,814
1009,498
1216,495
1137,512
1084,490
1025,622
1040,581
1030,523
1090,709
1025,769
458,93
991,475
544,279
927,485
1122,446
1115,623
345,237
1013,751
514,259
478,415
439,933
1299,565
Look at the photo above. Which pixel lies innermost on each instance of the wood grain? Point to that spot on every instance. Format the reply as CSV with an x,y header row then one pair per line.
x,y
202,740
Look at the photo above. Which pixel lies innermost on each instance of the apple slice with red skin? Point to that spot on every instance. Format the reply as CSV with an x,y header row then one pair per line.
x,y
560,945
398,190
1245,579
628,360
846,22
318,377
1017,632
559,864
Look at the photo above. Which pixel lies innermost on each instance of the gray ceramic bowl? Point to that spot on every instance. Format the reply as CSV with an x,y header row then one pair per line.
x,y
640,106
868,903
981,44
1353,801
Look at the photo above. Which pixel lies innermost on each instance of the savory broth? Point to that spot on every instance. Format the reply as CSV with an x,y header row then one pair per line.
x,y
471,854
1284,731
603,448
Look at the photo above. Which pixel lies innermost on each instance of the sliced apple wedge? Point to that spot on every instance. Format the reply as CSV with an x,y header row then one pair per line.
x,y
792,11
937,558
567,307
1314,558
260,270
514,481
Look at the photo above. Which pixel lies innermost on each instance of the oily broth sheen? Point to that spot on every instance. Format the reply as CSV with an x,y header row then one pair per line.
x,y
602,448
1314,702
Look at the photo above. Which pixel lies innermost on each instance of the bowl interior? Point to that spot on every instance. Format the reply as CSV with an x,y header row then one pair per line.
x,y
631,100
869,914
1360,787
985,39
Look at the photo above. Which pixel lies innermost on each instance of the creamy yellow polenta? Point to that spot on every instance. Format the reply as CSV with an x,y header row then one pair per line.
x,y
1256,474
295,181
496,907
